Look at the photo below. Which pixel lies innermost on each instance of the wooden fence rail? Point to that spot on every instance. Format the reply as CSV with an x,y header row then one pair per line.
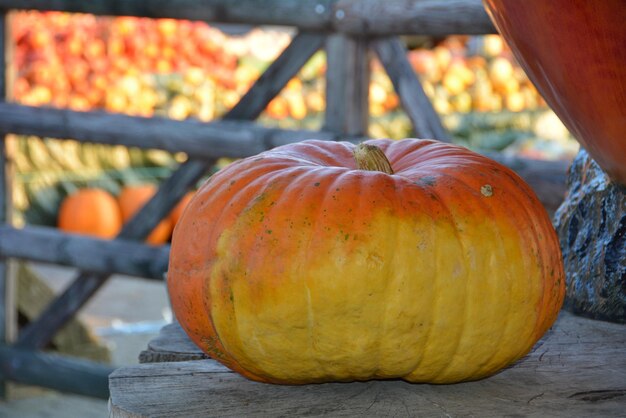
x,y
222,138
346,29
353,17
48,245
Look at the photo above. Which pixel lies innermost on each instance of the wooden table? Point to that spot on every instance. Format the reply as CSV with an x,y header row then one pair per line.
x,y
577,370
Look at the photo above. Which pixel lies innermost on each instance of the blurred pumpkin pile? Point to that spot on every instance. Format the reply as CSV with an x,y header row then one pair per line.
x,y
95,212
182,69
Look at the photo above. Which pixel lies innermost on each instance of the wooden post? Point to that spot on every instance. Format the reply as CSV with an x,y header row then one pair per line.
x,y
347,85
8,320
426,123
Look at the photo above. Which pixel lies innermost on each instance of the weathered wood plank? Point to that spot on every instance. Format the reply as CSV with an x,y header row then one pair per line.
x,y
55,372
426,122
577,369
225,138
303,14
271,82
347,85
50,245
172,344
356,17
425,17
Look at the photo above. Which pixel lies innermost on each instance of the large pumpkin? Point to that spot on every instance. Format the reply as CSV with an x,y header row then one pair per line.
x,y
295,266
90,211
575,54
132,199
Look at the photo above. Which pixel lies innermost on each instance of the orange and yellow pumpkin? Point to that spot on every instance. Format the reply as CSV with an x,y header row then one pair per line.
x,y
313,263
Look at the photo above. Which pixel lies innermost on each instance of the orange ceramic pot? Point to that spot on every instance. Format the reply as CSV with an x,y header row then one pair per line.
x,y
574,51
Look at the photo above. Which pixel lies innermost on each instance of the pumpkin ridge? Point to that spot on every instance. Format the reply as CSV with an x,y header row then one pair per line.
x,y
215,205
242,193
501,249
436,301
421,352
303,173
523,241
467,270
322,156
479,200
306,174
308,253
397,150
531,222
528,219
385,319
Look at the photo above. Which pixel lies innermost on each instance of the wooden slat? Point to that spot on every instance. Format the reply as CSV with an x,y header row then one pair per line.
x,y
172,344
40,332
8,308
356,17
303,14
49,245
577,369
392,54
224,138
424,17
55,372
271,82
347,85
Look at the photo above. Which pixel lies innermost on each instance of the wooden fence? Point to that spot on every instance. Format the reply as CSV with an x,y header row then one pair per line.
x,y
347,29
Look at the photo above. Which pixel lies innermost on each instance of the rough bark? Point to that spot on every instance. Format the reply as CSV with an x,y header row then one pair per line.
x,y
591,224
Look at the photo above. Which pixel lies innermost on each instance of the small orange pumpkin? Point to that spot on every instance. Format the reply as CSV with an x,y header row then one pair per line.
x,y
131,199
176,213
92,212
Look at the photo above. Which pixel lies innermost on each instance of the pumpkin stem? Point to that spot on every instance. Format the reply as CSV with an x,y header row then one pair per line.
x,y
370,157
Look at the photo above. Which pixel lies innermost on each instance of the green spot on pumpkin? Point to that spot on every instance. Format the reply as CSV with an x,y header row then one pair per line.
x,y
210,345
